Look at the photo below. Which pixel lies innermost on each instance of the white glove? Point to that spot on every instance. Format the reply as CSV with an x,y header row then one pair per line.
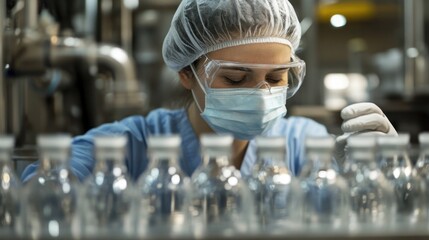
x,y
361,118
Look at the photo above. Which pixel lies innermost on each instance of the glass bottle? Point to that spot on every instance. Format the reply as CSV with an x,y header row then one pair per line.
x,y
325,191
311,155
163,191
371,196
408,187
9,189
277,194
50,196
422,164
256,182
221,201
107,194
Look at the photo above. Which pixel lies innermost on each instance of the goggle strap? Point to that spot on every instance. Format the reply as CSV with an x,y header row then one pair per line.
x,y
196,101
201,86
198,79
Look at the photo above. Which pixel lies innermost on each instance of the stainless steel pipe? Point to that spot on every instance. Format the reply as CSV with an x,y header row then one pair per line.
x,y
31,14
63,50
34,57
2,78
415,62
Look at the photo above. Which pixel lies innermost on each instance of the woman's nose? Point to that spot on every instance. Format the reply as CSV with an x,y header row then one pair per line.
x,y
264,85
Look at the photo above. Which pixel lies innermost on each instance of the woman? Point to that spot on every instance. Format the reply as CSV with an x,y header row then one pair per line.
x,y
237,57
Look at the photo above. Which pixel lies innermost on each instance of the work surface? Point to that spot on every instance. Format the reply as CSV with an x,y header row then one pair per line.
x,y
418,232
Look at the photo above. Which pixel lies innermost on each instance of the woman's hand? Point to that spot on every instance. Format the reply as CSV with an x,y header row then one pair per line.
x,y
361,118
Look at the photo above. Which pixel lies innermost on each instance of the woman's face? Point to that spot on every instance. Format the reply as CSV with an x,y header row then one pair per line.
x,y
237,76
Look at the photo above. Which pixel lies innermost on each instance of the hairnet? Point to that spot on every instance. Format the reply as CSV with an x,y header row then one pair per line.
x,y
202,26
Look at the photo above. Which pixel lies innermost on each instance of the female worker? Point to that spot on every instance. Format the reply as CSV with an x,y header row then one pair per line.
x,y
237,58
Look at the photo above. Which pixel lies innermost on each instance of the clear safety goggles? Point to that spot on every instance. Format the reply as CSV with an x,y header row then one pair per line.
x,y
226,74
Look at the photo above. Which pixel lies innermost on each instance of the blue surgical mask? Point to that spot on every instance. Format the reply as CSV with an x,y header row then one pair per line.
x,y
243,112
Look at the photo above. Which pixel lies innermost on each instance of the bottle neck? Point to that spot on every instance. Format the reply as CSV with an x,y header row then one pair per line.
x,y
219,161
320,159
422,164
360,158
424,150
5,157
424,158
271,158
361,154
5,165
110,159
163,160
396,157
110,164
53,159
424,147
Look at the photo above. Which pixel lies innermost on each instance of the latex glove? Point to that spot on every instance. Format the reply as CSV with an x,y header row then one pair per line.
x,y
361,118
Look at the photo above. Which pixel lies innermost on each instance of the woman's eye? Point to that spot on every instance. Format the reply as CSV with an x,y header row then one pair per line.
x,y
234,80
275,79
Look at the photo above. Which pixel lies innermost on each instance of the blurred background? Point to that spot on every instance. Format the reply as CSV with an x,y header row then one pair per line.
x,y
72,65
365,50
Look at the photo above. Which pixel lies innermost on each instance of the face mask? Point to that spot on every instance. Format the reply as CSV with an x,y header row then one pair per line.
x,y
243,112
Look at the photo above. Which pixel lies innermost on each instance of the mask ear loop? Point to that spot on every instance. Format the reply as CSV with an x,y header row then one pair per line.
x,y
201,86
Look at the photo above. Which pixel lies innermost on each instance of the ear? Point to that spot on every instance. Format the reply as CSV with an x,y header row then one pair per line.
x,y
186,78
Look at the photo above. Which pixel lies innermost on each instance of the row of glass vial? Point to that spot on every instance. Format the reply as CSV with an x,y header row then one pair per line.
x,y
53,203
369,192
383,188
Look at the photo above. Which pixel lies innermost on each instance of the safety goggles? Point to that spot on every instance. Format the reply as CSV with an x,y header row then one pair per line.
x,y
226,74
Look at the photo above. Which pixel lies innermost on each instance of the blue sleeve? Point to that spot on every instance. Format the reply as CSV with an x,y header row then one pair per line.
x,y
302,128
82,156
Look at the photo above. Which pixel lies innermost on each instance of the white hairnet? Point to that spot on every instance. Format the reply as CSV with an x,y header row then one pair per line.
x,y
202,26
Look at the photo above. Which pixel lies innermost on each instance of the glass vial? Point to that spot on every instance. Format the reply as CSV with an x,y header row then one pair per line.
x,y
409,188
311,156
422,164
107,194
325,191
50,196
276,193
371,196
9,189
221,200
163,191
